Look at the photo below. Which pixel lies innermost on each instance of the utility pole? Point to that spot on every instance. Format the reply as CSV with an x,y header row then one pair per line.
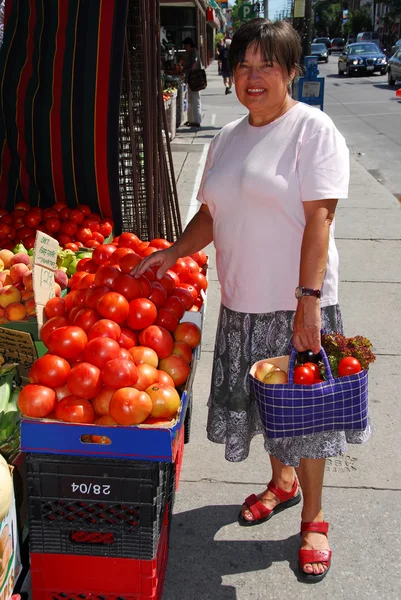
x,y
266,8
303,23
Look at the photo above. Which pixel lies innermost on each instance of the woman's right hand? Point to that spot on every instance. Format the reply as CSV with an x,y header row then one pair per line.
x,y
164,259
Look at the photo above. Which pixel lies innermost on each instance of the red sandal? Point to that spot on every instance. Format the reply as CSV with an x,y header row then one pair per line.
x,y
306,557
261,513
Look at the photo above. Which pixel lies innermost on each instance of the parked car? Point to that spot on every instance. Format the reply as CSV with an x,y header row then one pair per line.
x,y
362,58
351,39
368,36
394,48
320,50
323,40
337,44
394,68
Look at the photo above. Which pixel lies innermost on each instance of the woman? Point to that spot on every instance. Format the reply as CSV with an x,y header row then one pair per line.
x,y
192,62
268,198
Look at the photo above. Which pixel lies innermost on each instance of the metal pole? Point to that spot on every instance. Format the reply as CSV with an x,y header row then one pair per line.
x,y
266,8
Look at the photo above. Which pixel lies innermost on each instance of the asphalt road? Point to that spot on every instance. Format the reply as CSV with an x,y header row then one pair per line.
x,y
368,114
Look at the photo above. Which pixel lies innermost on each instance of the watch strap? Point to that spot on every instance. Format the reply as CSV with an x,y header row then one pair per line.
x,y
308,292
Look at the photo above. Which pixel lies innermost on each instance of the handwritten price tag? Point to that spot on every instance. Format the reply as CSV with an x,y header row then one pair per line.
x,y
44,265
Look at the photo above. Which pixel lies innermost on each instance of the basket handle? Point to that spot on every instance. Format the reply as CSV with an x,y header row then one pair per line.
x,y
291,365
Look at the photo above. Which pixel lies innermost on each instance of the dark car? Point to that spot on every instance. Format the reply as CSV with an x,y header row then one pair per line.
x,y
395,47
324,40
364,57
337,44
320,51
394,68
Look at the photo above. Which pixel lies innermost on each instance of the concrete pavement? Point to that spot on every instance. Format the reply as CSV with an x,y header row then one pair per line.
x,y
211,556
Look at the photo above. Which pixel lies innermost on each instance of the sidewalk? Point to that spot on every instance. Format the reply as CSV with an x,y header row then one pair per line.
x,y
211,556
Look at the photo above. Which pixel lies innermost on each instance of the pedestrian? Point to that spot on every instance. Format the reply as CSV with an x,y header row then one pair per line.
x,y
219,48
268,197
225,67
192,62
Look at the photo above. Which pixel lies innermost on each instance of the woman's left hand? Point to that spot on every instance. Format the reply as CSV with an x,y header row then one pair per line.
x,y
307,325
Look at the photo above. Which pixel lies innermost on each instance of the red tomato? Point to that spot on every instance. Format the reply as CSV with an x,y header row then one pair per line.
x,y
91,224
164,378
148,251
314,368
142,313
119,372
103,253
168,283
158,295
105,229
76,216
32,219
55,307
53,224
94,294
81,263
159,243
68,342
62,392
105,328
83,234
85,318
22,206
36,400
72,246
182,349
89,266
69,301
303,375
149,274
147,375
50,326
124,353
192,264
128,286
106,275
127,338
24,232
190,289
75,410
68,228
86,282
63,239
119,254
64,213
348,366
165,401
97,237
73,313
167,319
146,289
198,280
174,277
188,333
186,297
200,257
100,350
92,243
129,406
144,355
129,262
85,380
128,240
29,242
142,246
114,306
177,367
157,338
85,209
79,298
176,305
58,206
50,370
101,402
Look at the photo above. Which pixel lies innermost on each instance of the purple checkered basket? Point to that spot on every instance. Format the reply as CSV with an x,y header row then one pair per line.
x,y
288,410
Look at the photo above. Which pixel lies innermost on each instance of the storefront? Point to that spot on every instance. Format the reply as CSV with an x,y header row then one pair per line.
x,y
213,27
185,18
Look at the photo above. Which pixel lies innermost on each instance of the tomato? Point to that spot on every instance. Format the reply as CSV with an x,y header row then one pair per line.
x,y
129,262
49,370
314,368
146,289
72,246
142,246
106,420
63,239
182,349
158,295
127,338
91,224
348,366
76,216
165,401
36,400
25,232
103,254
89,266
128,286
73,313
147,375
192,264
53,224
101,402
148,251
32,219
191,289
198,280
106,275
50,326
167,319
105,229
79,298
100,350
94,294
200,257
177,367
75,410
142,313
160,243
186,297
83,234
22,206
303,375
119,254
188,333
62,392
68,342
128,240
84,208
58,206
64,213
119,372
124,353
114,306
92,243
68,228
144,355
84,380
176,305
86,282
85,318
168,283
149,274
129,406
105,328
157,338
55,307
97,237
164,378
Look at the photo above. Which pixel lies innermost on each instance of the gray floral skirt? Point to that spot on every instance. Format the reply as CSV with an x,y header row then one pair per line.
x,y
233,420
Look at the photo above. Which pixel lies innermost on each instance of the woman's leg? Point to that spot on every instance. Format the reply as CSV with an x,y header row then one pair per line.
x,y
310,474
283,477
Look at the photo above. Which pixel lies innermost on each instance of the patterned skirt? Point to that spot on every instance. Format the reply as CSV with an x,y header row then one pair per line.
x,y
233,420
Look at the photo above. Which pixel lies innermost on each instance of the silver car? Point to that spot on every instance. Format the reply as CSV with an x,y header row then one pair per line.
x,y
394,68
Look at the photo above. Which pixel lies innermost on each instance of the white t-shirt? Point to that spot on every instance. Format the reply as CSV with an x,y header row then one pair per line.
x,y
254,184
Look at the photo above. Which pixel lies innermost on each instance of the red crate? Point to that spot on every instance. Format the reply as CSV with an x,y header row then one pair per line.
x,y
70,577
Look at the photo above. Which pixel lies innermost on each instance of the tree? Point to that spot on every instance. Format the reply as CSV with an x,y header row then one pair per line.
x,y
360,20
328,19
236,22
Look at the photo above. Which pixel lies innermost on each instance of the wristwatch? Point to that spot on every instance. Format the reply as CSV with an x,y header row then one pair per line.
x,y
301,291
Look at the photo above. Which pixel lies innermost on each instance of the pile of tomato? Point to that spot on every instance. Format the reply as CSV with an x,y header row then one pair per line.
x,y
309,372
73,228
118,350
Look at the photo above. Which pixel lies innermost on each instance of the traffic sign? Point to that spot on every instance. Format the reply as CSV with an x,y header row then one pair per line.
x,y
246,12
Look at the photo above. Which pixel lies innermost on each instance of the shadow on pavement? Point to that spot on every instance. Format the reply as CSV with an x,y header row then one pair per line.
x,y
198,561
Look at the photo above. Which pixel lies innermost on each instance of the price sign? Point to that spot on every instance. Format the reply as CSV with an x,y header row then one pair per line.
x,y
44,265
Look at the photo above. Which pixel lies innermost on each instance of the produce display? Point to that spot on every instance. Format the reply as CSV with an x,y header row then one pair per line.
x,y
118,347
73,228
346,356
9,413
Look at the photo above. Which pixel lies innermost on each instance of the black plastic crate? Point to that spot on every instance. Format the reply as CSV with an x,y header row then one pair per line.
x,y
96,506
187,422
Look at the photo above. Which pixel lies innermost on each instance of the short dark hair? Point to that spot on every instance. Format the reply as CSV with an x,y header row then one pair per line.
x,y
277,41
188,41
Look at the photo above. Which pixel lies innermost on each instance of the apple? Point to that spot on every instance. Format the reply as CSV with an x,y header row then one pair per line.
x,y
276,376
6,256
263,368
20,257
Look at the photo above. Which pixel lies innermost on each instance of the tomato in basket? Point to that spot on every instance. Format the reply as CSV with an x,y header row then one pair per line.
x,y
303,375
